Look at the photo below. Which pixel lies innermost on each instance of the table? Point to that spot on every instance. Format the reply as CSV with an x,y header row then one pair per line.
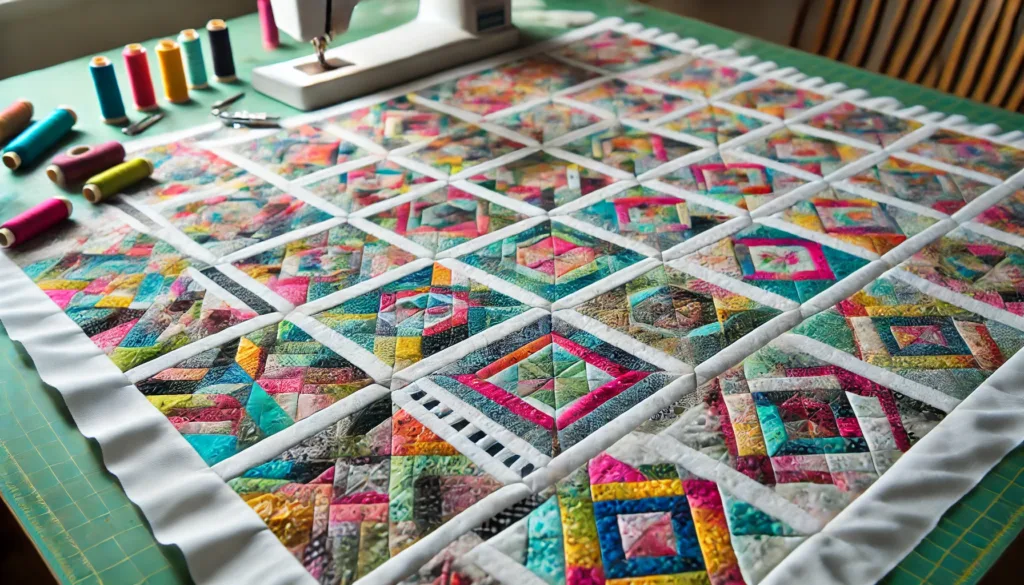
x,y
88,532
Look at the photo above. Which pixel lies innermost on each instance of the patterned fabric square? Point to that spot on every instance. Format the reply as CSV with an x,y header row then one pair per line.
x,y
778,262
369,486
920,184
547,121
653,218
974,265
365,186
681,315
1006,216
969,152
894,326
876,227
420,315
629,100
228,398
498,88
133,295
549,384
316,266
630,149
714,124
551,260
230,222
542,180
615,51
867,125
734,181
395,123
778,99
465,146
445,218
703,77
813,154
296,152
180,168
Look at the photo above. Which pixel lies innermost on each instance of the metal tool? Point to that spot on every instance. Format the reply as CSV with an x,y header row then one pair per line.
x,y
227,101
248,119
141,126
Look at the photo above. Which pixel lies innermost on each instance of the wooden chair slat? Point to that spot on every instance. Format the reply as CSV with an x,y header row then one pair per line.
x,y
930,47
890,43
956,53
868,32
1007,20
911,37
847,22
981,42
825,30
1011,71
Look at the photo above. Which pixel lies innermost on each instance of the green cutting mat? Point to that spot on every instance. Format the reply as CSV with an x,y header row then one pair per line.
x,y
87,530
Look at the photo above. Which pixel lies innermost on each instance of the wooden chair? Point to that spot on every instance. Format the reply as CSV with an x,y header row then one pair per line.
x,y
971,48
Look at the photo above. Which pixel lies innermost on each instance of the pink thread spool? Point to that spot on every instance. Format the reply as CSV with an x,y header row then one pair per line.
x,y
81,162
270,39
35,221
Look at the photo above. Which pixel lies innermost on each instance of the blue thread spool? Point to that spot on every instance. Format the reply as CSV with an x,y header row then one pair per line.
x,y
109,94
193,48
34,142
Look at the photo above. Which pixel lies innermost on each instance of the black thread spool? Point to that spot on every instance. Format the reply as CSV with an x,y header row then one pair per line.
x,y
220,49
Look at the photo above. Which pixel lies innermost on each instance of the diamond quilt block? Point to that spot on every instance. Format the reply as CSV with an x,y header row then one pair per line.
x,y
296,152
547,121
778,99
920,184
551,260
395,123
740,183
970,152
630,149
681,315
615,51
420,315
321,264
704,77
465,146
180,168
446,218
1006,216
370,185
714,124
629,100
542,180
777,262
228,398
867,125
807,152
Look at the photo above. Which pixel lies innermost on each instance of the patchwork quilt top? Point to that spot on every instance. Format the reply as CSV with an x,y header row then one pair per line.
x,y
616,309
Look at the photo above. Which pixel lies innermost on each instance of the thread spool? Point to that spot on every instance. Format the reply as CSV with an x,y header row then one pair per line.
x,y
172,71
41,218
81,162
267,25
192,47
34,142
220,51
15,118
109,94
114,180
137,64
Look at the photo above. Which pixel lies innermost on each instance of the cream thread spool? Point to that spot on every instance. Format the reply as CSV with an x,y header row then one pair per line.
x,y
114,180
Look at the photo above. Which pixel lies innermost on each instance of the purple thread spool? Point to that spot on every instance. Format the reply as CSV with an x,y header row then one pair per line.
x,y
81,162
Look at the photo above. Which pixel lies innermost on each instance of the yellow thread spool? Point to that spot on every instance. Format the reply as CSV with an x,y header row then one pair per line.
x,y
116,179
172,71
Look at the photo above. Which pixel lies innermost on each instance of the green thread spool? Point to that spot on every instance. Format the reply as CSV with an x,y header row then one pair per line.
x,y
116,179
193,49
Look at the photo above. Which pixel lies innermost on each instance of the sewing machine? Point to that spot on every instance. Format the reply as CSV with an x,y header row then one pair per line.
x,y
445,33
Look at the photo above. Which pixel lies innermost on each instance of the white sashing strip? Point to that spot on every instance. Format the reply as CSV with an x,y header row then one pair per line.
x,y
287,238
343,346
915,243
982,203
588,291
350,292
621,241
488,239
624,342
280,304
746,346
706,238
412,195
817,237
498,284
997,235
391,237
752,292
500,567
964,302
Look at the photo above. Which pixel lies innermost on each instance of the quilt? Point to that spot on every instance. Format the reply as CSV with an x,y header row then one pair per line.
x,y
618,308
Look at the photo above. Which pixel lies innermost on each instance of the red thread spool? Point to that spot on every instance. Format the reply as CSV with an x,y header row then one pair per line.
x,y
35,221
270,37
81,162
137,64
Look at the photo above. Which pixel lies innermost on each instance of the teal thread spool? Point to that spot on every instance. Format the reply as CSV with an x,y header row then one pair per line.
x,y
116,179
193,48
34,142
107,91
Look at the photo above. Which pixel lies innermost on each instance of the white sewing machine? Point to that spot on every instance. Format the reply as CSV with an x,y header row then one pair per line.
x,y
444,34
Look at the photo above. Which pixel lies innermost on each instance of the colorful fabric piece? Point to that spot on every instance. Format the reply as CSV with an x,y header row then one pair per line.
x,y
704,77
615,51
746,185
229,398
969,152
1006,216
807,152
465,146
542,180
778,99
629,100
180,168
395,123
920,184
546,121
652,218
299,151
876,227
681,315
316,266
714,124
778,262
420,315
369,185
867,125
630,149
551,260
446,218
